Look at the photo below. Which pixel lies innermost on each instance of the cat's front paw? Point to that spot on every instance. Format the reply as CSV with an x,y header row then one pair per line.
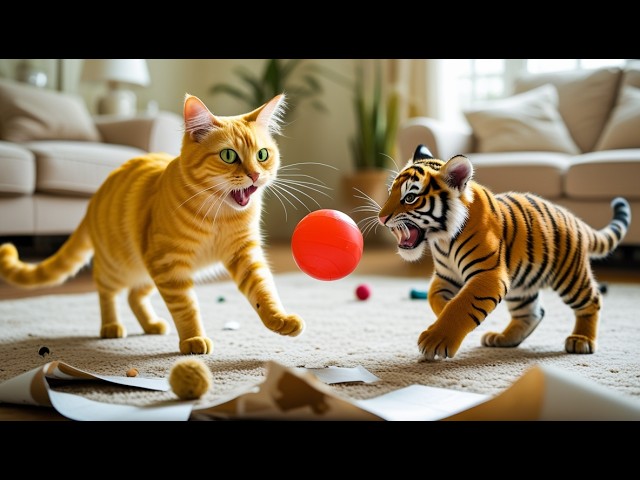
x,y
434,343
291,325
157,327
196,346
113,330
579,344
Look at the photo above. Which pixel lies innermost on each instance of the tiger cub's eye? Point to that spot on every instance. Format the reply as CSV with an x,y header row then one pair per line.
x,y
410,198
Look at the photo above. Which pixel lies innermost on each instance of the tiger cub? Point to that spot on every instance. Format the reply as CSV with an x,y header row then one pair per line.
x,y
488,247
157,220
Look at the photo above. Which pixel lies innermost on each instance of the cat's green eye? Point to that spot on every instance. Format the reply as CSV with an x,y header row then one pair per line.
x,y
228,156
263,154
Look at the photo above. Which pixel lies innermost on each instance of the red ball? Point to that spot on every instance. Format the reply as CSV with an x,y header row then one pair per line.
x,y
363,291
327,244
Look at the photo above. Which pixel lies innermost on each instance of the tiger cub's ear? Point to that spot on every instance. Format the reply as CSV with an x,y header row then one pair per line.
x,y
422,153
457,172
198,120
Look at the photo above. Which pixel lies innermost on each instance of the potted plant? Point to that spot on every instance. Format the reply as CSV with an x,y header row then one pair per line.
x,y
365,188
276,77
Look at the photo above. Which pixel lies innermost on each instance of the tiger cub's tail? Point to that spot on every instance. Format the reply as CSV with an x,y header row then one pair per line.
x,y
607,239
66,262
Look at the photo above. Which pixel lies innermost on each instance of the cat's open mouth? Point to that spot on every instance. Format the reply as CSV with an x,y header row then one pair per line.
x,y
242,196
409,235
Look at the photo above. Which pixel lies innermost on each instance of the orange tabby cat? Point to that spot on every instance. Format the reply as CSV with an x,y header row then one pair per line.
x,y
157,220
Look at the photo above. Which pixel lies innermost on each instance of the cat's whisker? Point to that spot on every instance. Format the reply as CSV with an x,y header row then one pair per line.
x,y
311,186
291,165
208,202
199,193
290,186
316,182
281,191
312,180
272,190
214,200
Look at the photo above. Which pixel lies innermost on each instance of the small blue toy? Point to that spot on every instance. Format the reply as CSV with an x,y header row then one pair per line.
x,y
418,294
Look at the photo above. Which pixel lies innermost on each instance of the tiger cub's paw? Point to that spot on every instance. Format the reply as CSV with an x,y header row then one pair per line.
x,y
579,344
495,339
113,330
158,327
434,343
291,325
196,345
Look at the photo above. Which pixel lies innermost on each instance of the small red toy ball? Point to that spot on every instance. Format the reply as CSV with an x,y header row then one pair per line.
x,y
327,244
363,291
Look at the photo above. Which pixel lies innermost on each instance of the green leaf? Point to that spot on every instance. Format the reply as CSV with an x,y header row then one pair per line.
x,y
233,91
277,76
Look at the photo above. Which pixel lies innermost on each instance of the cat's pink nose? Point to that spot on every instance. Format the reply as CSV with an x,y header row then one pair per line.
x,y
383,220
254,176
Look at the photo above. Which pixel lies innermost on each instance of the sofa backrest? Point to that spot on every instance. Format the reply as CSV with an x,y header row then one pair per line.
x,y
585,99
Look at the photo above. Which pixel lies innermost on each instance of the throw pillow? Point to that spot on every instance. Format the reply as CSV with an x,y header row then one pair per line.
x,y
529,121
585,100
29,113
623,128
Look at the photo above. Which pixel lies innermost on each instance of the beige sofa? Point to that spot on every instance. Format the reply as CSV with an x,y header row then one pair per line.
x,y
54,155
572,137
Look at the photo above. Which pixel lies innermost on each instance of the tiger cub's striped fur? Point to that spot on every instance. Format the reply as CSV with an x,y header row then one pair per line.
x,y
157,220
491,247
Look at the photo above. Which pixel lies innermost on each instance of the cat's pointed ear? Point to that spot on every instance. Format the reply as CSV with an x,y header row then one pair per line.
x,y
457,172
271,114
198,120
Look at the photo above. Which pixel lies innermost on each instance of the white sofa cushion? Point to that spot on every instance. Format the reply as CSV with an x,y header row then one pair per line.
x,y
18,169
535,172
585,100
28,113
604,175
77,168
623,127
526,122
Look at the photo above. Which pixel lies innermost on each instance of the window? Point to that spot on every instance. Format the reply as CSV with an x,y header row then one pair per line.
x,y
486,79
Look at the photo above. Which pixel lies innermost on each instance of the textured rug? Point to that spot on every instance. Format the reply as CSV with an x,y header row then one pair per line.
x,y
379,334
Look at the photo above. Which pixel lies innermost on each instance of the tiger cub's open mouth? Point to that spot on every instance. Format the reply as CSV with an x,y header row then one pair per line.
x,y
409,235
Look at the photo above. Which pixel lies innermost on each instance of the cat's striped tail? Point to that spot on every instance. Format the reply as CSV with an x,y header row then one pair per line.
x,y
54,270
605,240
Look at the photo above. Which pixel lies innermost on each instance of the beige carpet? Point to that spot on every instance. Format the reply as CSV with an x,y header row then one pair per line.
x,y
380,334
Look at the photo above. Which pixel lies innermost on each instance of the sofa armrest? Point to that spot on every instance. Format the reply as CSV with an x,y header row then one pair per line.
x,y
444,140
161,132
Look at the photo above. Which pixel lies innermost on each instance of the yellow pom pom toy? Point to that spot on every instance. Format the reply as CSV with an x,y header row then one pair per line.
x,y
190,378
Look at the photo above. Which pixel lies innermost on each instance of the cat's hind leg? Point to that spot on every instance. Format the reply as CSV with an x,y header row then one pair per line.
x,y
111,326
143,310
526,313
108,288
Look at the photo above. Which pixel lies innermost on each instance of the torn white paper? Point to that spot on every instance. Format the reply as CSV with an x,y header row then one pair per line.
x,y
331,375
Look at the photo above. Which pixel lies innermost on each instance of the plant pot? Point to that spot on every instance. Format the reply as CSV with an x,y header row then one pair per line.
x,y
371,183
